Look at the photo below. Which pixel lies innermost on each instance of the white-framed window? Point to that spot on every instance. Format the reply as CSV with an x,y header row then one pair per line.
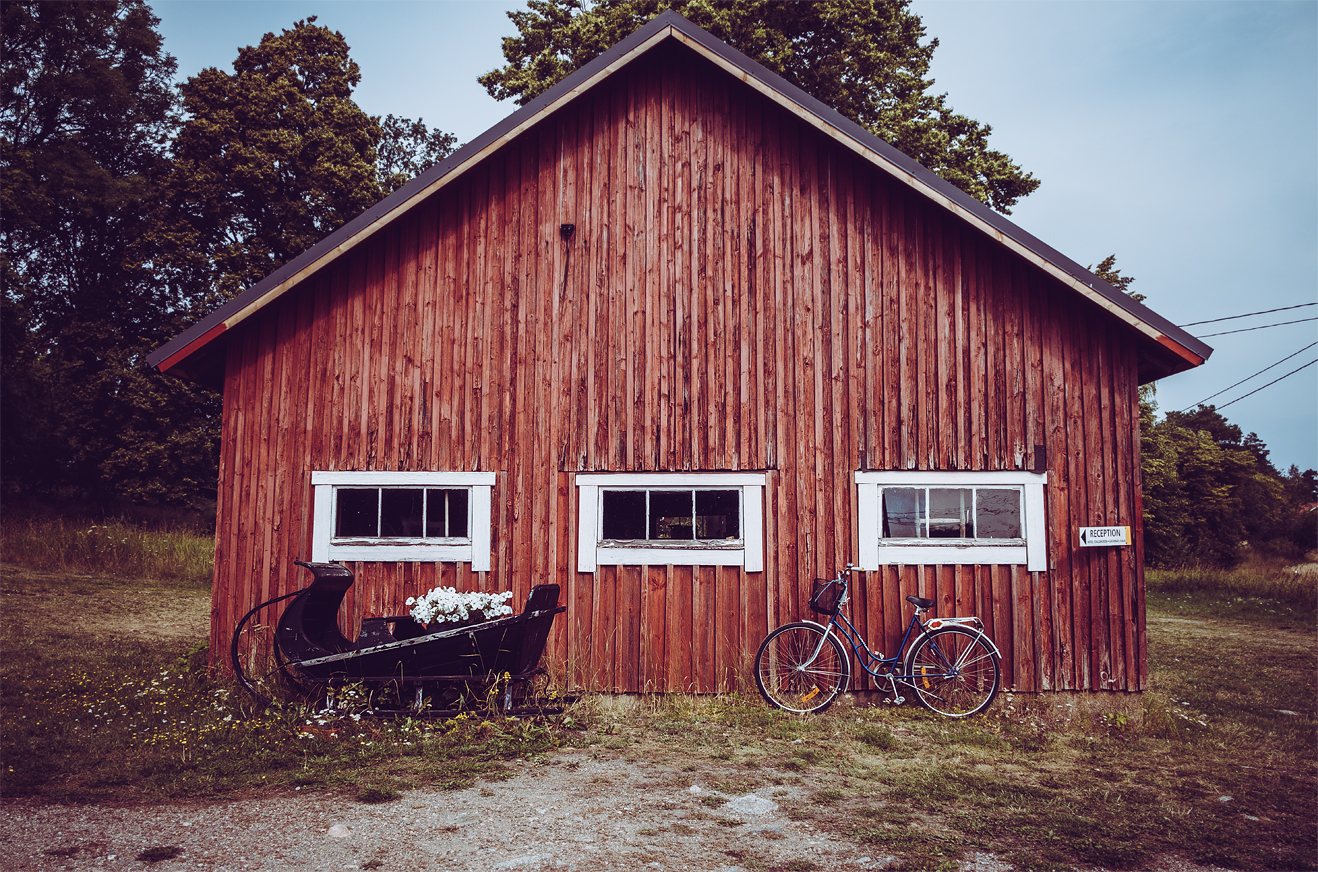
x,y
951,517
677,518
402,517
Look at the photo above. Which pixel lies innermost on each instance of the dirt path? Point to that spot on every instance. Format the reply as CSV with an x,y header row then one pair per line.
x,y
577,810
1227,631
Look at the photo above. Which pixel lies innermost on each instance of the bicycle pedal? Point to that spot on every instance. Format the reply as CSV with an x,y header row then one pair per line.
x,y
899,699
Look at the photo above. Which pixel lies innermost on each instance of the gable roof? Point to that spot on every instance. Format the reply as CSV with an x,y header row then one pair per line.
x,y
1167,349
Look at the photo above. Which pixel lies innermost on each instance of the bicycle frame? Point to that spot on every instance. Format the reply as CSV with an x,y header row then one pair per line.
x,y
877,665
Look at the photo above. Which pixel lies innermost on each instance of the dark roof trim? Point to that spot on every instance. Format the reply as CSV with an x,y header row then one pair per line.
x,y
1186,350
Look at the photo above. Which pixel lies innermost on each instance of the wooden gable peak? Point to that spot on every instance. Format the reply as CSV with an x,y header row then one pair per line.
x,y
1166,348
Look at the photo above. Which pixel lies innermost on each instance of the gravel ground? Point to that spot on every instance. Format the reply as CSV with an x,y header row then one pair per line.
x,y
581,813
574,812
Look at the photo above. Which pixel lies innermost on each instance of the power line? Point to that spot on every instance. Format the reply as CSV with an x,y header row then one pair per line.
x,y
1269,384
1247,378
1250,314
1261,327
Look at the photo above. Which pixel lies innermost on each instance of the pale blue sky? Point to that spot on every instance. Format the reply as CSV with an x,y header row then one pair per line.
x,y
1181,136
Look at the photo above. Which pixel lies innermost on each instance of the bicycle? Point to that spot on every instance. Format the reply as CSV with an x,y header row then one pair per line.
x,y
953,668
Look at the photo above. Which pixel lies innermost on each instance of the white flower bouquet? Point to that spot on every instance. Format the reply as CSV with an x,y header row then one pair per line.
x,y
445,605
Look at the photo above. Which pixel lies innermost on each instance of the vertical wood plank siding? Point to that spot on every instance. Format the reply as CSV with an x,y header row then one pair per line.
x,y
739,293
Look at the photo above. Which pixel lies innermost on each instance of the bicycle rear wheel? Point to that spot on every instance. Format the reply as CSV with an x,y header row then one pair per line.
x,y
800,669
954,672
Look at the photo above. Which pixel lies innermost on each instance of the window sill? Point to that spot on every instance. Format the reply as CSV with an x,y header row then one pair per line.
x,y
396,542
926,555
674,545
668,556
399,552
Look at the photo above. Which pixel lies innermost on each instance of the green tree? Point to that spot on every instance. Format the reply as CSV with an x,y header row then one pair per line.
x,y
1108,272
274,157
269,160
862,57
110,244
1208,493
407,149
1302,497
86,113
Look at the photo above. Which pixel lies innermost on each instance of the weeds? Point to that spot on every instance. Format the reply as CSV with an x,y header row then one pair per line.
x,y
103,734
95,708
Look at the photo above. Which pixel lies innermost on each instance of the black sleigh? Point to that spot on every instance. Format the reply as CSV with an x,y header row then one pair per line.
x,y
402,666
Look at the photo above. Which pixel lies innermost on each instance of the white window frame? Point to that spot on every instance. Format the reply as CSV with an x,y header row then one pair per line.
x,y
875,551
591,553
475,549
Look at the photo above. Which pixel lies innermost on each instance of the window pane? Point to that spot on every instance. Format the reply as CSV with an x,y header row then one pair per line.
x,y
450,504
999,514
901,511
356,512
671,514
718,514
457,513
949,513
624,514
436,513
400,513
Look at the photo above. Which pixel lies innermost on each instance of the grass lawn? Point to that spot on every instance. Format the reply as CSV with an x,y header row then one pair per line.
x,y
103,700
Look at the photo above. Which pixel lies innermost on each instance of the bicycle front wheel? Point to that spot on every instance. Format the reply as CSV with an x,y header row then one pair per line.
x,y
801,669
954,672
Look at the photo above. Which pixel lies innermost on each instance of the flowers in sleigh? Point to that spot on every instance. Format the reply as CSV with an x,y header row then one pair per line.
x,y
446,605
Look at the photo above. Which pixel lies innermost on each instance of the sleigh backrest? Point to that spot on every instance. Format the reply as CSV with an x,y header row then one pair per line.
x,y
309,627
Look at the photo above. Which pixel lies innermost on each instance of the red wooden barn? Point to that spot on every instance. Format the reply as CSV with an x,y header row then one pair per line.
x,y
680,338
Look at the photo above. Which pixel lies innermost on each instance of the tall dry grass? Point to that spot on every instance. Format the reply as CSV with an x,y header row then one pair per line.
x,y
112,548
1257,577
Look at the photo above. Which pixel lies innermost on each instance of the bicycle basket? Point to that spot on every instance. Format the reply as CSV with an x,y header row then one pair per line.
x,y
826,596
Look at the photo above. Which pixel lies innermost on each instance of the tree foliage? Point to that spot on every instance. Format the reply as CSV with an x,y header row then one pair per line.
x,y
407,149
124,221
864,58
1108,272
1209,493
274,157
270,159
86,114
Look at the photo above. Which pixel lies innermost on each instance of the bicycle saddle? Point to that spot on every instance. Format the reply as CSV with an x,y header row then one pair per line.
x,y
920,602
